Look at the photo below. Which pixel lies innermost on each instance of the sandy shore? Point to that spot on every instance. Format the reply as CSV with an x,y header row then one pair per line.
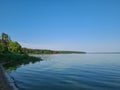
x,y
5,84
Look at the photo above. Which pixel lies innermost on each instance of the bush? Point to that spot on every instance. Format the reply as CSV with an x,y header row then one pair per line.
x,y
3,48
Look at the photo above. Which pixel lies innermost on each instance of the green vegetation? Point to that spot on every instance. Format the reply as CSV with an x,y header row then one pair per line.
x,y
11,51
9,46
3,48
37,51
40,51
70,52
15,47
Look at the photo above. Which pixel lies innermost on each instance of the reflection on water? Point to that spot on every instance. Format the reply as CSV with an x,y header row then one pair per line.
x,y
70,72
14,64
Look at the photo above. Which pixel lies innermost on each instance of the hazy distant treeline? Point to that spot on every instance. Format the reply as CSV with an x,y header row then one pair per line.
x,y
40,51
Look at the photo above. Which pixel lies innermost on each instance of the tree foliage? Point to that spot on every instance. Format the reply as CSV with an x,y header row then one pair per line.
x,y
3,48
14,47
9,46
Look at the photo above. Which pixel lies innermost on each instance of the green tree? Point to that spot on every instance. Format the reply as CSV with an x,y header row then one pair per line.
x,y
14,47
3,48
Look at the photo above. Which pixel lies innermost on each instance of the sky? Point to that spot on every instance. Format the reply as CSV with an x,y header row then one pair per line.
x,y
81,25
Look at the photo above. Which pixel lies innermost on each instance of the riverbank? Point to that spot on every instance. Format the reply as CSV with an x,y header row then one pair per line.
x,y
6,83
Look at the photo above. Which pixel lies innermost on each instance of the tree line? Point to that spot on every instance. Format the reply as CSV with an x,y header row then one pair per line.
x,y
9,46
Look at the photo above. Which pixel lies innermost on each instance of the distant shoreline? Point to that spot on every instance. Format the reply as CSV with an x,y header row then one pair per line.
x,y
103,52
46,51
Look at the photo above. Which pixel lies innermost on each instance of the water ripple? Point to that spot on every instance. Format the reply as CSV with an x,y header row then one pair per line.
x,y
72,72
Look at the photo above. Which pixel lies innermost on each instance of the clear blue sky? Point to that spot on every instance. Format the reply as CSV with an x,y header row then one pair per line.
x,y
85,25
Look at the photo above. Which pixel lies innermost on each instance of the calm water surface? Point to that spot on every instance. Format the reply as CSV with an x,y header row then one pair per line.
x,y
70,72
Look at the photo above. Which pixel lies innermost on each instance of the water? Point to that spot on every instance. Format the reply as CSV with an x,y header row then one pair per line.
x,y
70,72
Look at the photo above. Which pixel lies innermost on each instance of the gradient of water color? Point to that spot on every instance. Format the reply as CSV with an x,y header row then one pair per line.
x,y
70,72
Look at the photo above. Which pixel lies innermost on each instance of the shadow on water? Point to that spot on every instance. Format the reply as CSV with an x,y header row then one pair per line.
x,y
14,64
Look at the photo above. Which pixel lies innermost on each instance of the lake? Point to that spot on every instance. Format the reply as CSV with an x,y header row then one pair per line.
x,y
69,72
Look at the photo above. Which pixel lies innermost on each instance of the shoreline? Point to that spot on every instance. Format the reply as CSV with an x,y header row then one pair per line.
x,y
6,82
